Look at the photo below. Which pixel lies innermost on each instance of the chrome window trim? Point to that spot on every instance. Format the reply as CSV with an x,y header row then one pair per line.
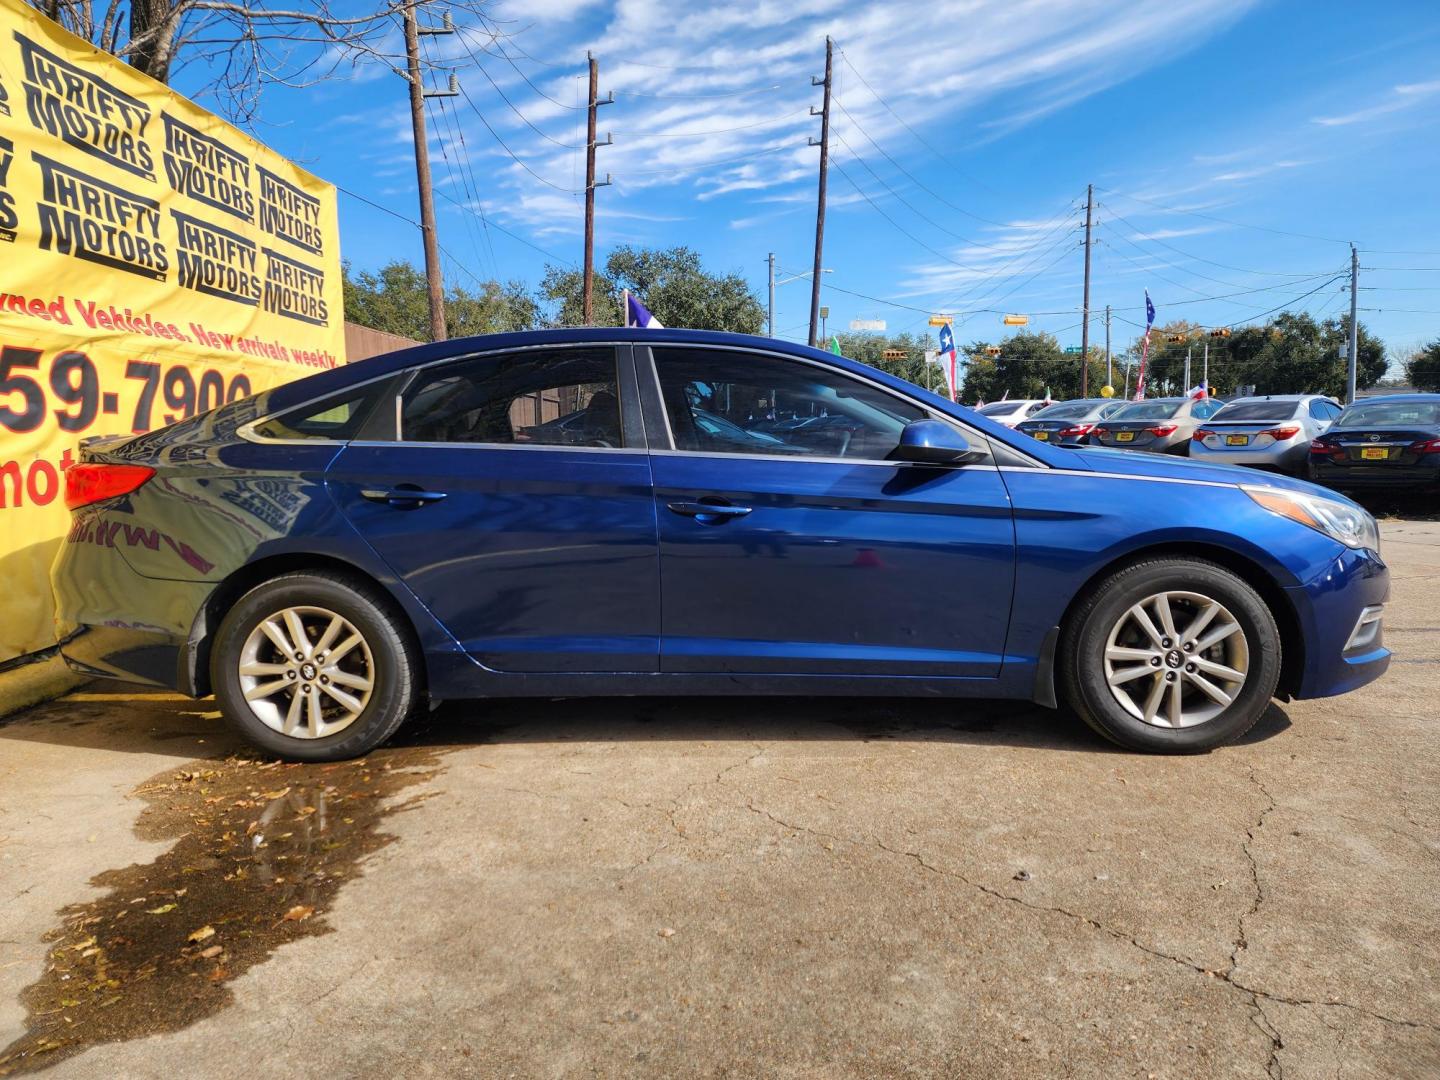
x,y
1129,476
929,412
406,376
800,459
246,431
504,446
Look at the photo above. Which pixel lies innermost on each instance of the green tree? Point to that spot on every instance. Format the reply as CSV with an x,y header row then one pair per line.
x,y
1293,353
395,299
1029,364
870,349
672,283
1423,369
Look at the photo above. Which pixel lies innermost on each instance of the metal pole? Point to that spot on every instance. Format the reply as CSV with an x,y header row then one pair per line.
x,y
1205,371
824,145
1109,366
589,272
770,319
1354,326
1085,323
1189,349
434,283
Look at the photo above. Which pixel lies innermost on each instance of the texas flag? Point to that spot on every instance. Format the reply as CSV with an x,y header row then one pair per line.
x,y
947,359
1199,393
638,315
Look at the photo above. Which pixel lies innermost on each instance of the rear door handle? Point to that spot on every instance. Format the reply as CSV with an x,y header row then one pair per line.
x,y
402,496
708,513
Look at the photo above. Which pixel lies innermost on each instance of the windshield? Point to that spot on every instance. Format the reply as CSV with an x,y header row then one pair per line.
x,y
1000,408
1391,414
1066,410
1161,409
1258,410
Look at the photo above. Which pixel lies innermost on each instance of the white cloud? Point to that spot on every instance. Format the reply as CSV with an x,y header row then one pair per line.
x,y
1402,97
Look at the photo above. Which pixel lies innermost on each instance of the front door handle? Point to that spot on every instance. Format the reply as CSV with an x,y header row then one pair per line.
x,y
403,496
708,513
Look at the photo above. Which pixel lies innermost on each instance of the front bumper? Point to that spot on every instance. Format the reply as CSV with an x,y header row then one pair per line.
x,y
1339,656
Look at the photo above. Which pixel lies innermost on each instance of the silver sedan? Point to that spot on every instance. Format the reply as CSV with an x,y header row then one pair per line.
x,y
1266,432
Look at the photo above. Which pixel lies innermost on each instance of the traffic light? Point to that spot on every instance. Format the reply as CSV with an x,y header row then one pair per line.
x,y
893,354
1174,337
1223,331
992,350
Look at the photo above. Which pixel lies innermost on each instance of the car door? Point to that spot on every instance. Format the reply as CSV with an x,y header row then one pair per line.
x,y
516,504
807,552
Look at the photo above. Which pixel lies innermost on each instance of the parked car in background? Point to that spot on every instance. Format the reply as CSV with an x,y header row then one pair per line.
x,y
1381,443
1266,432
1159,425
1011,411
1069,423
341,550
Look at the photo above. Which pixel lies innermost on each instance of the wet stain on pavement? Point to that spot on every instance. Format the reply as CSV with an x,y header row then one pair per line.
x,y
260,851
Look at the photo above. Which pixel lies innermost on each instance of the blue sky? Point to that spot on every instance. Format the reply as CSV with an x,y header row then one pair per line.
x,y
1235,145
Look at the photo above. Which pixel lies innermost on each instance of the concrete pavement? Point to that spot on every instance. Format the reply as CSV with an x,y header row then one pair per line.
x,y
733,888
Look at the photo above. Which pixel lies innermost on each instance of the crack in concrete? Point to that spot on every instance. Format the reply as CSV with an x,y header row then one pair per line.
x,y
1253,993
1241,943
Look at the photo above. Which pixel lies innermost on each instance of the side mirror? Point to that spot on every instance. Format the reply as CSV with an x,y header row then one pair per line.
x,y
930,442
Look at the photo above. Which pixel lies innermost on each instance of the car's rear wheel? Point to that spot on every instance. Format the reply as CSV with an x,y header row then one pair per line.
x,y
1171,655
314,667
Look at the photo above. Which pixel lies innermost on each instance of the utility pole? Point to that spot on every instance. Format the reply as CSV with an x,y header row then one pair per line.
x,y
1205,368
824,144
770,318
1085,324
418,94
1109,369
1354,326
586,305
1189,349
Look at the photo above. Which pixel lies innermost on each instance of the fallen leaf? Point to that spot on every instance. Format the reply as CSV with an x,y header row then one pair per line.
x,y
306,811
203,933
163,909
303,911
275,794
213,951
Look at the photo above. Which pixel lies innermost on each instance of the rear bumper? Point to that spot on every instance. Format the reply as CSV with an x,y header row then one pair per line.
x,y
113,623
1329,609
1288,459
1374,477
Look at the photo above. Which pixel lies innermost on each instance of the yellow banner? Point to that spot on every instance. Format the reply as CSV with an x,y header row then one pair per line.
x,y
154,262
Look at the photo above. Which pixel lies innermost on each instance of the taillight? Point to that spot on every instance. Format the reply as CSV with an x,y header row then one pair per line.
x,y
1280,434
1077,430
86,484
1163,430
1426,446
1201,434
1318,446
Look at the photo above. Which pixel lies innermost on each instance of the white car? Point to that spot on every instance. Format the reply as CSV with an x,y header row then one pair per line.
x,y
1271,433
1013,410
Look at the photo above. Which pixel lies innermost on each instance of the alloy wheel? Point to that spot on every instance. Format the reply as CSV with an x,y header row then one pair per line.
x,y
1176,659
306,672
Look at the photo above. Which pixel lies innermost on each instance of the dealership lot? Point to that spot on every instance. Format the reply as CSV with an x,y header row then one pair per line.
x,y
743,887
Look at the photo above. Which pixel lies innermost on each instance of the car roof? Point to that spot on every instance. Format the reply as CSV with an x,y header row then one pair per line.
x,y
1396,398
1279,397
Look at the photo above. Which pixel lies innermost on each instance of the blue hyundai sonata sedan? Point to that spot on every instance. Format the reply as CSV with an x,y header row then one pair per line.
x,y
604,511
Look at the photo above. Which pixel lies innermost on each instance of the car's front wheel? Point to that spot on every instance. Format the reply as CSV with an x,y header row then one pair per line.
x,y
1171,655
314,667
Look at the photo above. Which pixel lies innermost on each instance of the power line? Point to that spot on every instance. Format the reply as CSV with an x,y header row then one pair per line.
x,y
918,137
898,227
713,131
1198,258
504,97
701,97
1227,221
505,146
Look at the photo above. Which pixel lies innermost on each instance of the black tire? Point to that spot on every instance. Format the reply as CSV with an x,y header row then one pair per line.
x,y
1083,644
396,668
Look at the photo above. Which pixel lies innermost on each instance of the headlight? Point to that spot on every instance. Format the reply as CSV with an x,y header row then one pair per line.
x,y
1342,521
